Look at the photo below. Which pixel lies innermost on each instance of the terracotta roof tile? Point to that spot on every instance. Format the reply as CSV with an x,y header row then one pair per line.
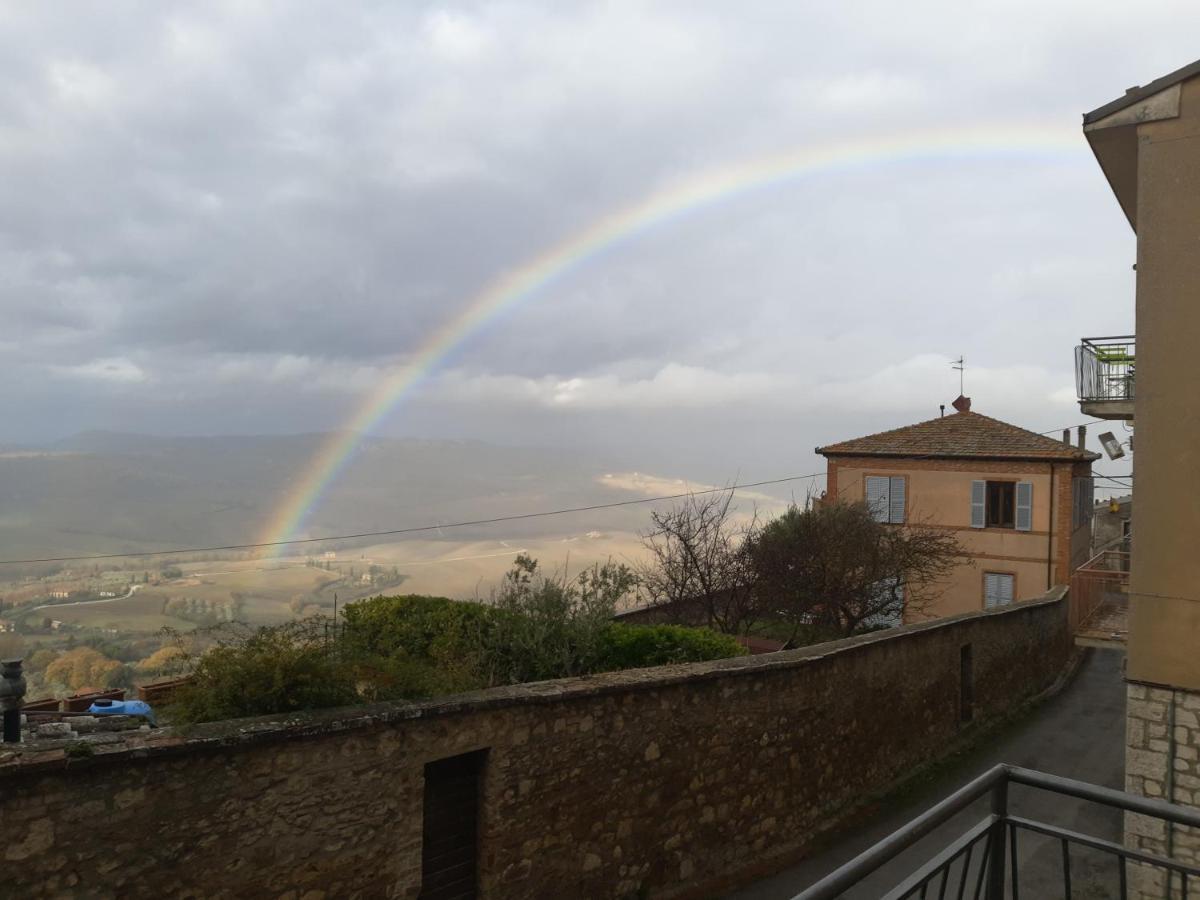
x,y
963,434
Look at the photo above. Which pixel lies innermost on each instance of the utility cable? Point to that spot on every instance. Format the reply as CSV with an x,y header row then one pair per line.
x,y
415,529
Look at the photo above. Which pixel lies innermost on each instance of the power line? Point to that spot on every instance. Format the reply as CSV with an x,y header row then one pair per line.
x,y
1069,427
414,529
427,528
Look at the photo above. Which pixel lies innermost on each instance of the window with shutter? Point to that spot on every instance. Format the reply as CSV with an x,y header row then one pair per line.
x,y
1024,506
978,504
1002,504
997,589
885,497
878,491
896,504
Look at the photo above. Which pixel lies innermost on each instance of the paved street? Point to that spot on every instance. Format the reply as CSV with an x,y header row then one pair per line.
x,y
1079,733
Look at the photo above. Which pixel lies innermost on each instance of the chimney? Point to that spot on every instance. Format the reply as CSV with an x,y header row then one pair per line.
x,y
1082,437
1067,436
942,407
962,404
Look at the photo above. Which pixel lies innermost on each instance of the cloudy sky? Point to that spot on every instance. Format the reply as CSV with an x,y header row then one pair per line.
x,y
239,217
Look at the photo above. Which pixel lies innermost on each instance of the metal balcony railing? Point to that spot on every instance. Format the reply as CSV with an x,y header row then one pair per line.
x,y
984,861
1104,368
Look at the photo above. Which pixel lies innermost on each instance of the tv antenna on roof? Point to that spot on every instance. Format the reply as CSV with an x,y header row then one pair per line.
x,y
959,364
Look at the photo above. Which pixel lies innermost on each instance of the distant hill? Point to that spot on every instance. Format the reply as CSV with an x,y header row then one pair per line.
x,y
105,492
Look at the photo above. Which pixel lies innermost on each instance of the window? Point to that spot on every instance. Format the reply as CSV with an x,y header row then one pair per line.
x,y
1002,504
885,497
997,589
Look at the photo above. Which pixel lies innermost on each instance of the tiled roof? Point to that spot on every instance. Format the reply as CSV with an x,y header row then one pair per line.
x,y
963,434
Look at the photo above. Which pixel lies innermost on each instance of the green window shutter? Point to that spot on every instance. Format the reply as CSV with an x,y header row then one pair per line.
x,y
978,503
1024,506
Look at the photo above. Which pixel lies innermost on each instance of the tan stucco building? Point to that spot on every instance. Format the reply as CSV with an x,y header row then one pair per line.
x,y
1019,503
1148,144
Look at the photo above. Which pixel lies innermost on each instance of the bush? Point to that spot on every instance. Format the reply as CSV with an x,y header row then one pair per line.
x,y
414,646
276,669
548,626
422,627
410,647
634,646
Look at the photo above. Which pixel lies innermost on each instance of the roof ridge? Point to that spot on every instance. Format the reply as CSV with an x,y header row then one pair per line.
x,y
1036,434
961,434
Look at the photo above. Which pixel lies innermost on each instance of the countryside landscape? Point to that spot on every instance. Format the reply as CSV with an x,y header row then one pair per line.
x,y
126,609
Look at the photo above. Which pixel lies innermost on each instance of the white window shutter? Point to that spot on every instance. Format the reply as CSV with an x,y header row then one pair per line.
x,y
1024,506
896,506
997,589
877,497
978,503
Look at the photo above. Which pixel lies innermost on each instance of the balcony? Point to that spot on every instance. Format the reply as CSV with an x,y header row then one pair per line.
x,y
1104,376
984,862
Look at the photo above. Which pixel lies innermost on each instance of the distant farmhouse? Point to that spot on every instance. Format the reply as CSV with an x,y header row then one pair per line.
x,y
1020,503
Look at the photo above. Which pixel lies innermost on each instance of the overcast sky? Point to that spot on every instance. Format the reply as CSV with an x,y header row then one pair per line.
x,y
237,217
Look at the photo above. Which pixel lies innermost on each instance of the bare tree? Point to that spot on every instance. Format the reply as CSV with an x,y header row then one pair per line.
x,y
833,566
698,567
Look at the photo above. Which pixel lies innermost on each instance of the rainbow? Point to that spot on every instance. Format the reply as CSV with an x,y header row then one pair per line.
x,y
687,196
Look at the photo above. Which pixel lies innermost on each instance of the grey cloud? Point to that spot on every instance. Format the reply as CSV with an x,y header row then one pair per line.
x,y
299,197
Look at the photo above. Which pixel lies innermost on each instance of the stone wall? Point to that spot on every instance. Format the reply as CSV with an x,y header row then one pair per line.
x,y
1162,760
667,782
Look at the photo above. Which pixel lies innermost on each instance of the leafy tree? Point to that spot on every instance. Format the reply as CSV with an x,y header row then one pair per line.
x,y
83,667
834,566
167,659
550,626
698,565
39,659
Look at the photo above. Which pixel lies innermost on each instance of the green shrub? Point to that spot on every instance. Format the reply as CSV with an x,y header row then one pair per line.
x,y
275,669
418,626
414,646
627,646
550,626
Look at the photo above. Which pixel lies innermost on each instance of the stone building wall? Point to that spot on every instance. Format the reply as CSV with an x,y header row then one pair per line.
x,y
669,782
1162,760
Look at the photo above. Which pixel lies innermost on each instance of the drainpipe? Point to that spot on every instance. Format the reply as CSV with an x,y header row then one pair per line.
x,y
1169,786
1050,534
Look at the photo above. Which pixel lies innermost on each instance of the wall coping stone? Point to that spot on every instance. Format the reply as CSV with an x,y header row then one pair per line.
x,y
37,757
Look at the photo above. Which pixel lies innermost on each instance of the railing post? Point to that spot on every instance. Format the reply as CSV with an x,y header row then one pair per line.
x,y
996,841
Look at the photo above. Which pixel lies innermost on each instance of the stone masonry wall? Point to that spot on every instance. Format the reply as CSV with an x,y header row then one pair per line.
x,y
668,782
1156,719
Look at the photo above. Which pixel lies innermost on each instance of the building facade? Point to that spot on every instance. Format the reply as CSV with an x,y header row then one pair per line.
x,y
1112,523
1148,145
1019,503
